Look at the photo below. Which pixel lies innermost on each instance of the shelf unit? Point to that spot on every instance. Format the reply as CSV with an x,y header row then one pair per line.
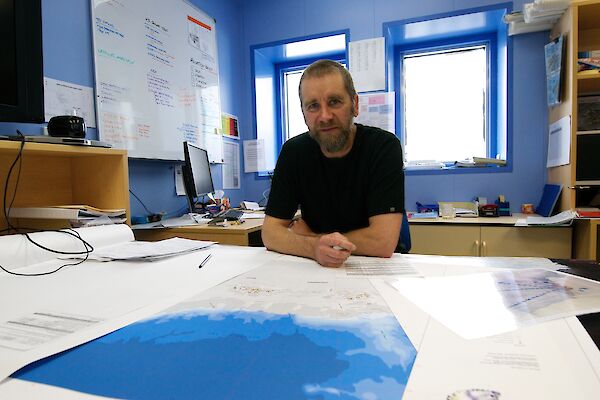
x,y
581,26
54,174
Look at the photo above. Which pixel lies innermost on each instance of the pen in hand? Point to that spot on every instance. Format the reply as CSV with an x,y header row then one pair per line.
x,y
203,263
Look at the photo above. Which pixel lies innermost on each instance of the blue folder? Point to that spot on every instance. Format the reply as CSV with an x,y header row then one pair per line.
x,y
548,200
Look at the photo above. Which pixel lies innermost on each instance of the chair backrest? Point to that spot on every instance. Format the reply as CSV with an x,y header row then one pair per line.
x,y
405,243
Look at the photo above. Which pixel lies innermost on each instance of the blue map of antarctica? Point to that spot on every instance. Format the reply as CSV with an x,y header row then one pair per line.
x,y
208,354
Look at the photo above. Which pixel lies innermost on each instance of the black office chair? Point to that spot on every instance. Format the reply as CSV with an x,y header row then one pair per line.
x,y
405,243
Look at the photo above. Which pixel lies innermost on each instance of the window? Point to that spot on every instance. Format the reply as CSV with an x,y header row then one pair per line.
x,y
450,74
445,104
292,112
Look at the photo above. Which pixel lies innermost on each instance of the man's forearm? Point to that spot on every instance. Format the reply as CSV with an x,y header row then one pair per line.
x,y
283,240
329,250
380,238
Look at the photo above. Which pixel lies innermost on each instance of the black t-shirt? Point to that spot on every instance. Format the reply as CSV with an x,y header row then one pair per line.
x,y
339,194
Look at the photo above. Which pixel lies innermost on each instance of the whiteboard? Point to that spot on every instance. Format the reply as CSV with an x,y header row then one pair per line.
x,y
157,79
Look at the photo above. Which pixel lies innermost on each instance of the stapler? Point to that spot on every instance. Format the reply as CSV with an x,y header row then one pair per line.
x,y
488,210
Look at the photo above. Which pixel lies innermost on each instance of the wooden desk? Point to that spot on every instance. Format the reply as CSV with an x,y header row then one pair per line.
x,y
489,237
246,234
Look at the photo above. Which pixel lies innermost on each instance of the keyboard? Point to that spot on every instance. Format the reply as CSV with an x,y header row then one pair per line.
x,y
228,215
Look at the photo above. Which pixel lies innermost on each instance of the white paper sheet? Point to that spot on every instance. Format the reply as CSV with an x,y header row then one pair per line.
x,y
214,146
18,252
231,166
113,293
65,98
539,362
559,142
179,185
485,304
149,251
359,265
254,156
551,361
367,64
377,109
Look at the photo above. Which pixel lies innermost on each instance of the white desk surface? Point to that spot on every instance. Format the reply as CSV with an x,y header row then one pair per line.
x,y
553,360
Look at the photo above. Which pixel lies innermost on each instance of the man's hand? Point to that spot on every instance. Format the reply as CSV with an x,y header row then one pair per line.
x,y
333,249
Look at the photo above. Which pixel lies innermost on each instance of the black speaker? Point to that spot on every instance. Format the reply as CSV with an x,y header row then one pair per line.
x,y
66,126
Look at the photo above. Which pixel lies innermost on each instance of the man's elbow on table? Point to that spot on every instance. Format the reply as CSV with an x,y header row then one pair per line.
x,y
382,235
383,248
269,231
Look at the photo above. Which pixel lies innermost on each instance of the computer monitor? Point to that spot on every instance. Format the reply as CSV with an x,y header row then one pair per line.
x,y
197,178
21,65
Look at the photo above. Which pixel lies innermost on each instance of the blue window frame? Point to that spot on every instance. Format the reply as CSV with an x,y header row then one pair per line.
x,y
450,32
462,44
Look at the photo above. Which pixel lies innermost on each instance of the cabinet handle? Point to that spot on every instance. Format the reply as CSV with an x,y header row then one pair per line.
x,y
477,250
483,249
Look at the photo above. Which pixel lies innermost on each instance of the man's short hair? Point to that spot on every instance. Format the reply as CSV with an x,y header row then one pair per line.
x,y
325,67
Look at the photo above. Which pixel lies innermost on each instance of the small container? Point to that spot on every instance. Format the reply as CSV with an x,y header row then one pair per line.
x,y
447,210
527,208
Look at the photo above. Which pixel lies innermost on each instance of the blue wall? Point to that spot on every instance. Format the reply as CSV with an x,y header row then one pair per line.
x,y
241,24
364,19
68,56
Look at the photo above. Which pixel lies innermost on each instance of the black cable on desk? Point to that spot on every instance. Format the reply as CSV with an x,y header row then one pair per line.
x,y
88,247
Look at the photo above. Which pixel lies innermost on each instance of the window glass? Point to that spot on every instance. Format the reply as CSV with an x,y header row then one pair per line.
x,y
445,104
294,121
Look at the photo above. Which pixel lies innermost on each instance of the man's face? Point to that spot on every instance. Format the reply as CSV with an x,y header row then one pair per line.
x,y
329,111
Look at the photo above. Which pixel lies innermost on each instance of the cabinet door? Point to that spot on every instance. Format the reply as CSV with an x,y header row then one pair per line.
x,y
448,240
551,242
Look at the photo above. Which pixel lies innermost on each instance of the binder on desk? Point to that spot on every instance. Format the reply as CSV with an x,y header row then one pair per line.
x,y
548,201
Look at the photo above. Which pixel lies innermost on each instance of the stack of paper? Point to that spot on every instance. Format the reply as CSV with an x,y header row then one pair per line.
x,y
77,215
149,251
538,16
544,10
564,218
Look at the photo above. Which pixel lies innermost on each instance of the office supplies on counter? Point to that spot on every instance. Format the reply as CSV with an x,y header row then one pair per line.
x,y
423,208
464,209
527,208
447,210
550,196
565,218
488,210
227,215
588,212
503,206
251,205
422,215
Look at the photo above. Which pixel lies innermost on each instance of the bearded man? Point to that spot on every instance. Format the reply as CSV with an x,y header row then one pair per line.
x,y
347,179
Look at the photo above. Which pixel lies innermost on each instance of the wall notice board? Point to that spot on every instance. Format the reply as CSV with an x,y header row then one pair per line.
x,y
157,81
